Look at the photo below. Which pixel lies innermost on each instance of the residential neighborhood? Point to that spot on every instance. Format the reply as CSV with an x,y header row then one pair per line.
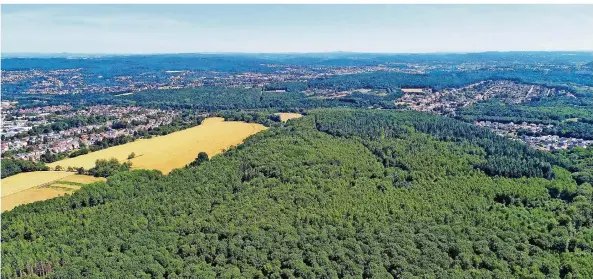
x,y
123,121
448,101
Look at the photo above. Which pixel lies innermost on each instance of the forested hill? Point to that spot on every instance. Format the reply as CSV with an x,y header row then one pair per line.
x,y
335,194
214,99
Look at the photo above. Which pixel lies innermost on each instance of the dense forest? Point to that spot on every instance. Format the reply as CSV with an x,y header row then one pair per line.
x,y
536,112
212,99
503,157
580,162
339,193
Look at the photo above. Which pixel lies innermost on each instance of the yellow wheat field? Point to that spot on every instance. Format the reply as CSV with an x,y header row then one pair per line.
x,y
163,153
29,196
285,116
26,180
30,187
174,150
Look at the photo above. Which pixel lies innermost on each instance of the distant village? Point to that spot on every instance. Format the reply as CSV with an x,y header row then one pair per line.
x,y
448,101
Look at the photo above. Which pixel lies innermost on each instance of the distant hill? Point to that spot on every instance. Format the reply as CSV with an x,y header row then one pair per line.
x,y
202,61
6,55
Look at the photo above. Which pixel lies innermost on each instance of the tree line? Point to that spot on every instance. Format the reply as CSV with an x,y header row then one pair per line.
x,y
14,166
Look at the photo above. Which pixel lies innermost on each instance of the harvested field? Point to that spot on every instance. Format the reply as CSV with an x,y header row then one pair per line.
x,y
31,195
175,150
30,187
285,116
27,180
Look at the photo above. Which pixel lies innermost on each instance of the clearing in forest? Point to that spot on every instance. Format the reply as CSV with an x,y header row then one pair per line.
x,y
285,116
174,150
30,187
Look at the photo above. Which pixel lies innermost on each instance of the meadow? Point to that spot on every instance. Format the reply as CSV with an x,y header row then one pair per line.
x,y
174,150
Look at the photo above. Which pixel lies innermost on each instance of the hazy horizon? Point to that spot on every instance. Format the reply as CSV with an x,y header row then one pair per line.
x,y
325,52
293,29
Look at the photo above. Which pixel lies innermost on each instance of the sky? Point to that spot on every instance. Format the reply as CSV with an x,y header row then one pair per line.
x,y
127,29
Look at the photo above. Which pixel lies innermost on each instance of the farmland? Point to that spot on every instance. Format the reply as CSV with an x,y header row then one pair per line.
x,y
175,150
163,153
30,187
24,181
285,116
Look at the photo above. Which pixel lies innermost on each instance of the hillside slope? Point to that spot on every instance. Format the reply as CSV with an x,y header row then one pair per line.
x,y
335,194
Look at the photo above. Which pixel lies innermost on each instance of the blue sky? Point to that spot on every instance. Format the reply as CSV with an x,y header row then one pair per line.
x,y
294,28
